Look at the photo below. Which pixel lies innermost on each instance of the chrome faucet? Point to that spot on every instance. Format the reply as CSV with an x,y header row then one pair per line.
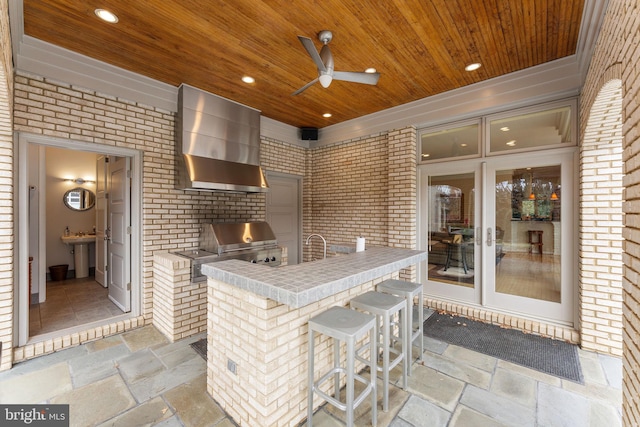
x,y
323,240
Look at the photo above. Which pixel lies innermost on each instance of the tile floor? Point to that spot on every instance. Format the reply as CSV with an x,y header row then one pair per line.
x,y
138,378
71,303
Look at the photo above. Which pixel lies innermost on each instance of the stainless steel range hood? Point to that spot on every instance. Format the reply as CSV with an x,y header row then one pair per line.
x,y
217,144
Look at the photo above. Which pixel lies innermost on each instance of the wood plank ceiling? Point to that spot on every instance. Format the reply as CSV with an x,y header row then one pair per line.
x,y
420,47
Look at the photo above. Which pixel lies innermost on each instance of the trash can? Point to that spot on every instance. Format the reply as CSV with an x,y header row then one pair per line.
x,y
58,272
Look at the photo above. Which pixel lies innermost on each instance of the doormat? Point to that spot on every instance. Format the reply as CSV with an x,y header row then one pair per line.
x,y
200,347
553,357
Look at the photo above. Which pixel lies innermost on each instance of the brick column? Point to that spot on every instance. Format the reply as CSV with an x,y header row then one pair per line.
x,y
179,306
402,193
600,271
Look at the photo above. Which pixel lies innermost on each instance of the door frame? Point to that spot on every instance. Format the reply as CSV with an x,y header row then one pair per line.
x,y
299,183
21,227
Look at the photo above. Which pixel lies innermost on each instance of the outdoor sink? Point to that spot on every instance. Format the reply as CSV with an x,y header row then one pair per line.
x,y
85,238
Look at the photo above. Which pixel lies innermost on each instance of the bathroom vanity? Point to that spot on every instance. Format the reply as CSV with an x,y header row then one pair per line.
x,y
80,244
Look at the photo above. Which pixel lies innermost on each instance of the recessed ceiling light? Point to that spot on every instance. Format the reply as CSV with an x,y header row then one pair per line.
x,y
505,129
370,70
472,67
424,156
106,16
511,143
463,145
327,115
248,79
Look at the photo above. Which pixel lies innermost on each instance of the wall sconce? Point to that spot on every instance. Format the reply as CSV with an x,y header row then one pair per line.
x,y
80,181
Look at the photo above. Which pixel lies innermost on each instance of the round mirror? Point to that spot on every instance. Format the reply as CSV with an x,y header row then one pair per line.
x,y
79,199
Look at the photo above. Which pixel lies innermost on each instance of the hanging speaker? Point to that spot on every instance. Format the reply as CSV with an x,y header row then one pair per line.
x,y
309,134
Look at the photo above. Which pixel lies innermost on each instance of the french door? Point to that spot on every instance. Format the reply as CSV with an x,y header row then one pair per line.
x,y
501,233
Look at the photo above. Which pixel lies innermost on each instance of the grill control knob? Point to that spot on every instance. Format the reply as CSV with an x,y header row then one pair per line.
x,y
266,259
254,261
273,258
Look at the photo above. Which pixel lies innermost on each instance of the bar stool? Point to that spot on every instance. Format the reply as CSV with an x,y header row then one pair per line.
x,y
535,239
343,324
408,291
385,306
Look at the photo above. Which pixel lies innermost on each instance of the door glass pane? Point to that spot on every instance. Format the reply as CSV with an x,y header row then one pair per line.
x,y
449,143
451,231
527,232
532,130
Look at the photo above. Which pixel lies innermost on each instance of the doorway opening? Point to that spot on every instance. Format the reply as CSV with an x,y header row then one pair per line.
x,y
498,233
498,210
78,243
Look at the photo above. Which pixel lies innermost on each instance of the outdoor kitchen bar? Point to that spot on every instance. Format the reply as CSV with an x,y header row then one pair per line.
x,y
257,327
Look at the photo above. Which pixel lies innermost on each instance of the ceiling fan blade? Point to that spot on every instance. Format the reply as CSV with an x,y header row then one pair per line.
x,y
313,53
305,86
356,77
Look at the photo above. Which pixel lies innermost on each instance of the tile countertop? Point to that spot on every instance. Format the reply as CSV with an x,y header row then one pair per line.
x,y
302,284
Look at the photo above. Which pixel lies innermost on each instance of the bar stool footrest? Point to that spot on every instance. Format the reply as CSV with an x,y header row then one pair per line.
x,y
335,401
392,362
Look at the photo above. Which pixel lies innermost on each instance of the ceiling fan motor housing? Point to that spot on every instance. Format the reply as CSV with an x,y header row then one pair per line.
x,y
325,36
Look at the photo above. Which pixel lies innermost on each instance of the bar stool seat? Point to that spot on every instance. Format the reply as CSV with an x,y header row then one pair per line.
x,y
385,307
414,327
343,324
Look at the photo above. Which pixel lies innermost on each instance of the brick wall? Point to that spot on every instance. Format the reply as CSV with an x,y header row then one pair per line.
x,y
277,156
363,187
349,189
6,192
616,56
600,272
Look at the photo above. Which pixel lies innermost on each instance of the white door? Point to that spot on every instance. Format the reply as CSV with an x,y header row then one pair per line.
x,y
500,233
449,218
101,220
529,235
283,212
119,232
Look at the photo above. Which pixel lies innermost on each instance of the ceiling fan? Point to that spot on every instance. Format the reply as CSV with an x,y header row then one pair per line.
x,y
324,62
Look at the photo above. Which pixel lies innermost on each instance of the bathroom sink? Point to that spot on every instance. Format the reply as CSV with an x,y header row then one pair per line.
x,y
85,238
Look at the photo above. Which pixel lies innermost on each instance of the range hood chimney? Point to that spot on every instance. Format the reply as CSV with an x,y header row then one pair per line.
x,y
217,144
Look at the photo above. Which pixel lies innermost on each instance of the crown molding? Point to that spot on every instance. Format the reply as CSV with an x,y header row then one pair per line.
x,y
546,82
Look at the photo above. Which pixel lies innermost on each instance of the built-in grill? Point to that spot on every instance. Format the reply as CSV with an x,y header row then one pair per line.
x,y
251,241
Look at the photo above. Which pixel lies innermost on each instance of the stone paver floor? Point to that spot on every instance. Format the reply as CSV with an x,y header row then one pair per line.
x,y
138,378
